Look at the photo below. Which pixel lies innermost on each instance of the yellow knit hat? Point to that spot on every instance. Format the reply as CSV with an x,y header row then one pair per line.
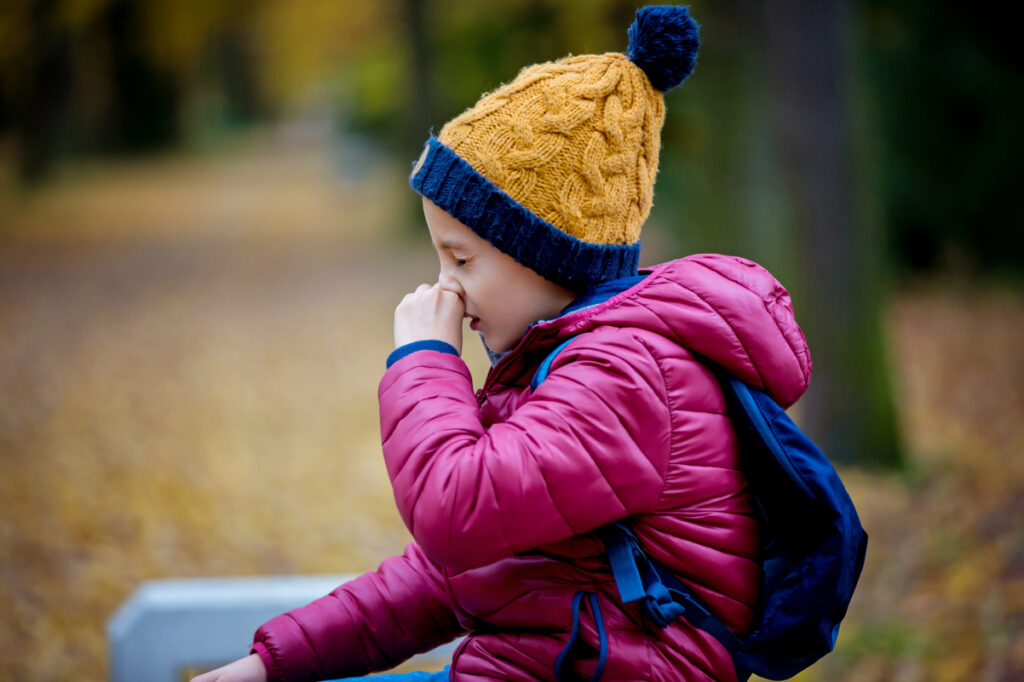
x,y
557,167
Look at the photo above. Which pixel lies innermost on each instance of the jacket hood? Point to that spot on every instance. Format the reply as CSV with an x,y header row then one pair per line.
x,y
727,309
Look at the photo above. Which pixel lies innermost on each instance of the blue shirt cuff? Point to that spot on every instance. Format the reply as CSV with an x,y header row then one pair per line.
x,y
429,344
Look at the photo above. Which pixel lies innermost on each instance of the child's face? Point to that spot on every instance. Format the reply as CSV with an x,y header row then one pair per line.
x,y
501,296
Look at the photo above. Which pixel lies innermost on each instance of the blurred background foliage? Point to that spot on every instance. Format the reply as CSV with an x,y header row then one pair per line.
x,y
193,194
937,94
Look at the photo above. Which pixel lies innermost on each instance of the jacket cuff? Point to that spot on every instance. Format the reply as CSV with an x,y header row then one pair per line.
x,y
268,661
429,344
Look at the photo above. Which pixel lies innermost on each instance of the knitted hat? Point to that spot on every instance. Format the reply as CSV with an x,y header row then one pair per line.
x,y
556,168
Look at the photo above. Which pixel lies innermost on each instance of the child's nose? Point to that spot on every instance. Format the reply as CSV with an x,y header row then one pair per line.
x,y
448,282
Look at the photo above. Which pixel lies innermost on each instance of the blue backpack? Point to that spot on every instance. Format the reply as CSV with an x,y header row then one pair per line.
x,y
812,546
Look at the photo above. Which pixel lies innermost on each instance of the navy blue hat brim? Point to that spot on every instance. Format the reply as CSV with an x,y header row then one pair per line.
x,y
449,181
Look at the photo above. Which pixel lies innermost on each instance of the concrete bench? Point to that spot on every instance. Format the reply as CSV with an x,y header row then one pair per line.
x,y
169,630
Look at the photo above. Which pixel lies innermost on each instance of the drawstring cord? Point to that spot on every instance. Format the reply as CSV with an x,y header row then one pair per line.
x,y
574,637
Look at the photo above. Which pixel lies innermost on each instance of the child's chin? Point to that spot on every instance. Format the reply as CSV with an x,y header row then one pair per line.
x,y
502,347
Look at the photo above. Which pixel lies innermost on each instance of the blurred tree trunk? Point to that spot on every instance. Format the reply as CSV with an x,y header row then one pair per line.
x,y
420,106
41,113
237,75
838,253
145,106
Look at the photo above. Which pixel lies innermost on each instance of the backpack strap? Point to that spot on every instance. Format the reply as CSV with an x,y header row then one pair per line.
x,y
567,654
664,597
545,366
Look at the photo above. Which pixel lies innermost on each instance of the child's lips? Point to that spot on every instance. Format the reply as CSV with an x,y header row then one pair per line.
x,y
474,322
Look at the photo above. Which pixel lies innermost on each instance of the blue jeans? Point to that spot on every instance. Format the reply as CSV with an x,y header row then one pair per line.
x,y
440,676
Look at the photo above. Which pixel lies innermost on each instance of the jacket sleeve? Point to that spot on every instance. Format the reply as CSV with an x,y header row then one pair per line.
x,y
373,622
589,447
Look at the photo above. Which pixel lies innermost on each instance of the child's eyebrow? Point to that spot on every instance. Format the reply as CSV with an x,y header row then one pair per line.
x,y
451,244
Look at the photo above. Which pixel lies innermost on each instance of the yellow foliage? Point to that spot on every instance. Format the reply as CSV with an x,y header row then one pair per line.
x,y
175,32
303,42
78,13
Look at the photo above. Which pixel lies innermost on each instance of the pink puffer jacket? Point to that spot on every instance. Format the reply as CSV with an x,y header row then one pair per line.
x,y
502,489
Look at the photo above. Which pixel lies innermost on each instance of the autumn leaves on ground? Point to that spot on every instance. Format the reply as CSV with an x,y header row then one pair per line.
x,y
188,368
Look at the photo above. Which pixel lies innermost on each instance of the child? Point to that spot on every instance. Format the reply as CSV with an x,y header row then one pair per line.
x,y
534,199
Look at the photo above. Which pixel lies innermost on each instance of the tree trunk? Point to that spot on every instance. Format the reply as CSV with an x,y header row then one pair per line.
x,y
420,105
849,408
40,115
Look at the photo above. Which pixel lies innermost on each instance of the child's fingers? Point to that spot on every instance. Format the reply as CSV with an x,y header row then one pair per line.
x,y
430,312
412,296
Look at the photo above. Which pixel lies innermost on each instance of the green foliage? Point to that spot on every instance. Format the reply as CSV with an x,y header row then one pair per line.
x,y
371,89
949,85
885,639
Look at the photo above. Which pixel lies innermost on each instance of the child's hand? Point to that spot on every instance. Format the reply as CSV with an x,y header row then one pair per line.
x,y
430,312
248,669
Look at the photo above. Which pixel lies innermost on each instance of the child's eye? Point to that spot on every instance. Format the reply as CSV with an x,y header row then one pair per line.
x,y
459,262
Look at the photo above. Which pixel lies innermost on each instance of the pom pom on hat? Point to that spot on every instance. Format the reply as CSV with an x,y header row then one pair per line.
x,y
663,42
